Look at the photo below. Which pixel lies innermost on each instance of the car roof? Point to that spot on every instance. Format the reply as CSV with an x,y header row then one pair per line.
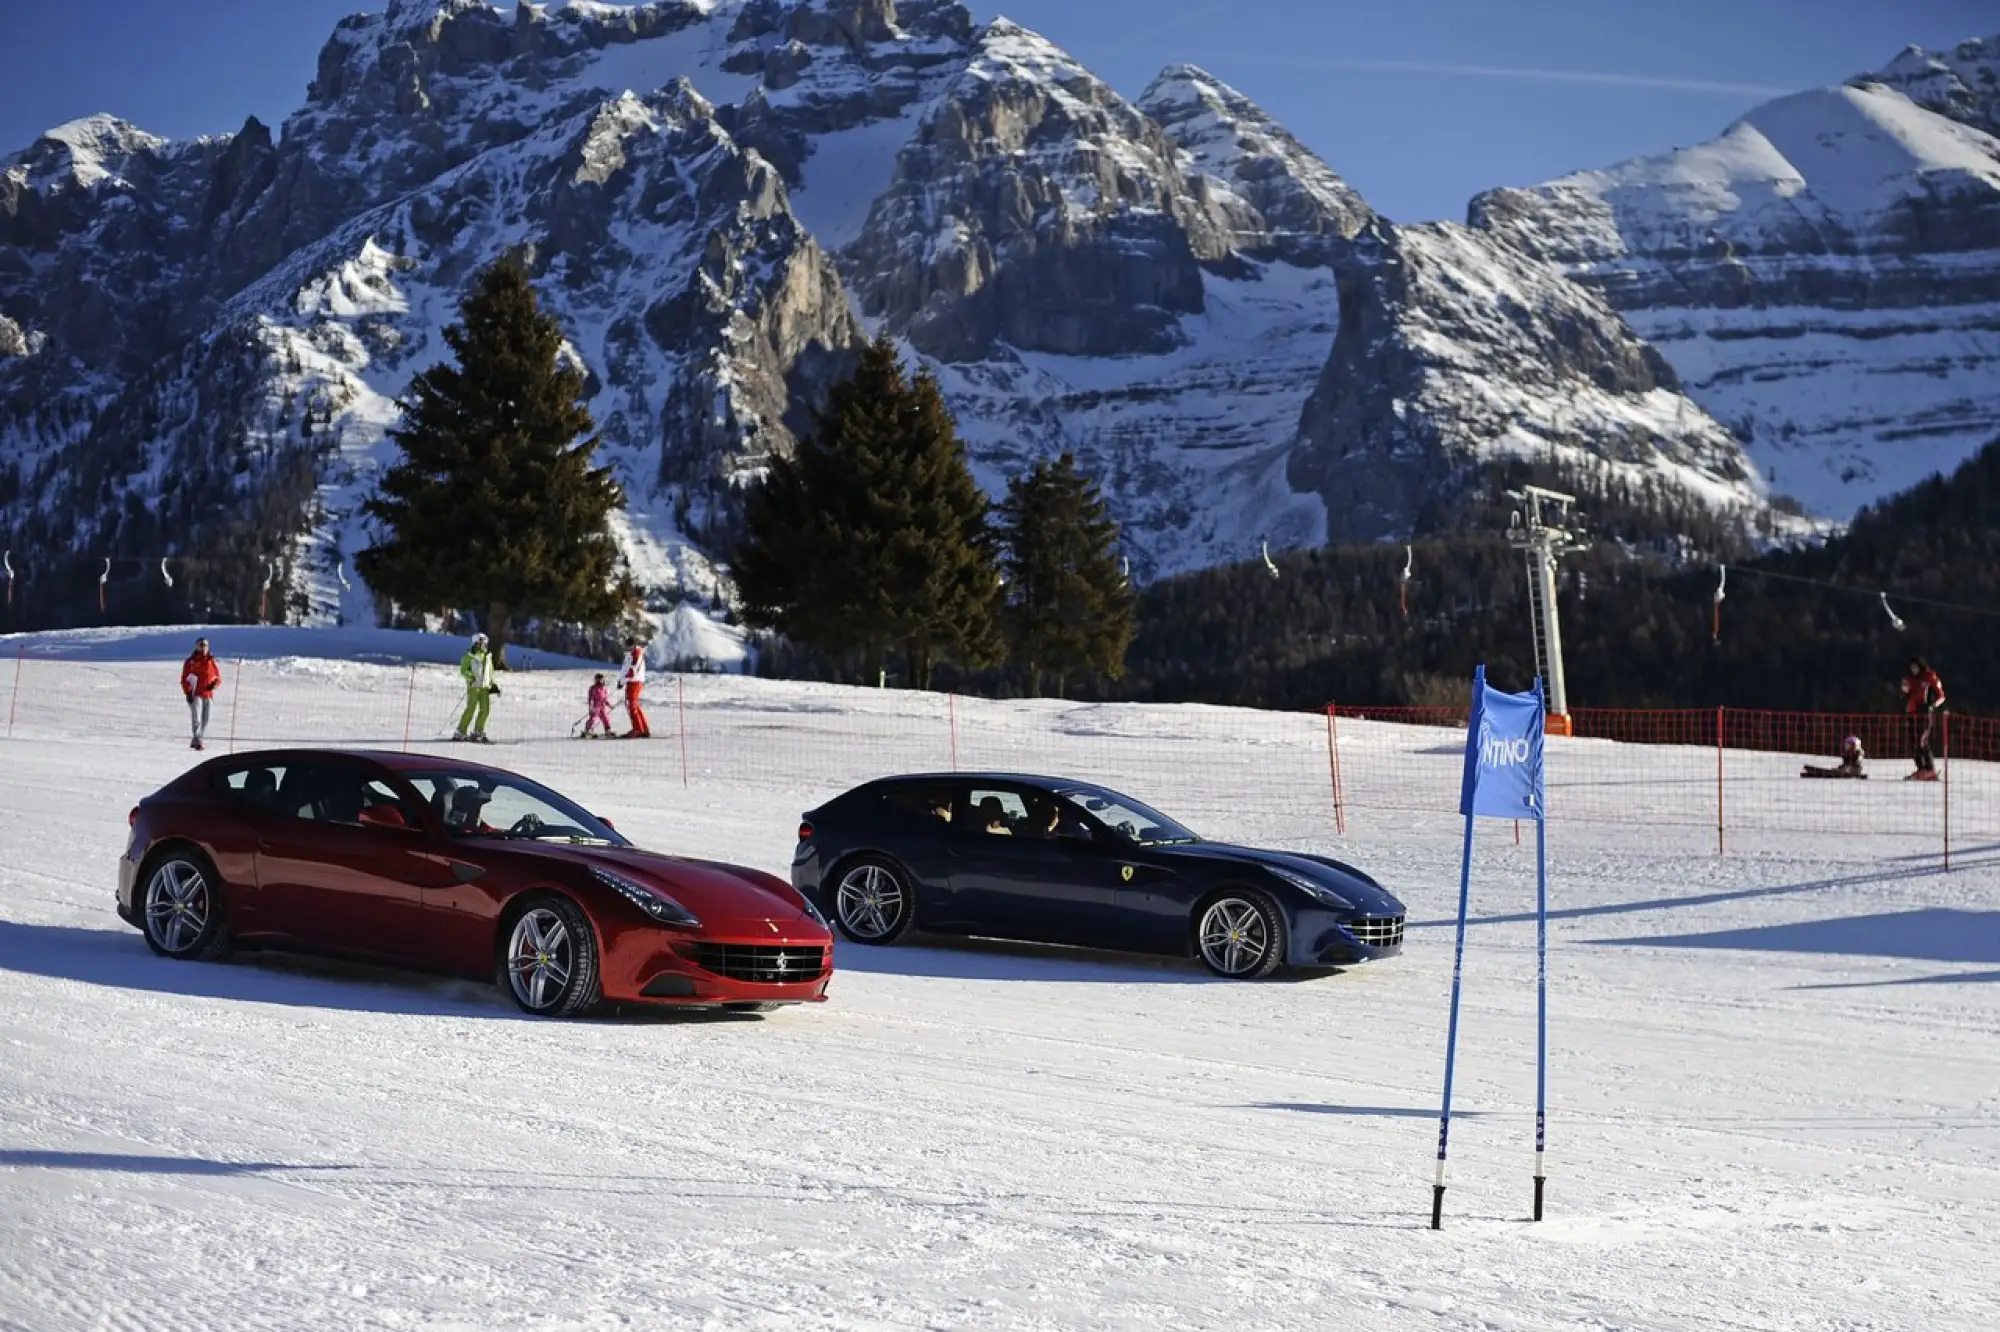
x,y
394,760
1016,778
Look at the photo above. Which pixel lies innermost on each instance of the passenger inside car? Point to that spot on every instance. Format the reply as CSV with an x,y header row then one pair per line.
x,y
993,817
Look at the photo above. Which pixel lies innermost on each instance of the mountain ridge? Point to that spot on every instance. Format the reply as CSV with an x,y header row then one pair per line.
x,y
1171,287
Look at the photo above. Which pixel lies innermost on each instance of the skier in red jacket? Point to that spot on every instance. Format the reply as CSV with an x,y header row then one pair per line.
x,y
201,676
1923,698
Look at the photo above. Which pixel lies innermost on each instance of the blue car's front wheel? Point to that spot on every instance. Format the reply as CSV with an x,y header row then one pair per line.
x,y
1239,934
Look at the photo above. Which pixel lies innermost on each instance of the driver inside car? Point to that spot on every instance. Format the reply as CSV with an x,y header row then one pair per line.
x,y
462,808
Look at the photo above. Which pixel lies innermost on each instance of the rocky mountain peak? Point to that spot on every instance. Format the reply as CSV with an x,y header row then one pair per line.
x,y
1035,207
1254,162
96,150
1962,83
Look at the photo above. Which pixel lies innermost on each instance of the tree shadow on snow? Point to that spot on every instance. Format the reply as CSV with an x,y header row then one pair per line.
x,y
1931,934
143,1165
120,959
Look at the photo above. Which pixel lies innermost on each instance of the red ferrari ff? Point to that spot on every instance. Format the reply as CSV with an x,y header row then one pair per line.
x,y
462,869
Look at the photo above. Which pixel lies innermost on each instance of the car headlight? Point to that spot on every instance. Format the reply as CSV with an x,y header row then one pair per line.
x,y
649,900
1318,891
814,912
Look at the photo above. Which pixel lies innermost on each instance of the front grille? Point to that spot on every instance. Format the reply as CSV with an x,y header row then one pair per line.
x,y
763,964
1377,932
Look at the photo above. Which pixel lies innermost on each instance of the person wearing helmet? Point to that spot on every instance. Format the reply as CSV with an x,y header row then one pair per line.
x,y
1851,756
476,667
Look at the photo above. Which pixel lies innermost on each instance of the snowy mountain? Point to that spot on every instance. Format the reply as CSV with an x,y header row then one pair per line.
x,y
1825,275
201,343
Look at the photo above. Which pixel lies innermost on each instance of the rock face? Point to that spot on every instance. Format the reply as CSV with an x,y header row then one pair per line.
x,y
201,343
1826,275
1038,209
1276,199
1455,352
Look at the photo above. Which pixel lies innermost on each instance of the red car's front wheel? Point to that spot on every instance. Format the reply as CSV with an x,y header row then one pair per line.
x,y
549,965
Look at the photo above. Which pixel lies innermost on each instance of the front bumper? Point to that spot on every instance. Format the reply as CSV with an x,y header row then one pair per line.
x,y
659,967
1322,939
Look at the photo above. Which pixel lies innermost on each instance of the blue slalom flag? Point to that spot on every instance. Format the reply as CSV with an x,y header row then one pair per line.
x,y
1503,753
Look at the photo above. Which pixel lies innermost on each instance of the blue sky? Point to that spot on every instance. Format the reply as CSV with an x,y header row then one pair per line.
x,y
1420,103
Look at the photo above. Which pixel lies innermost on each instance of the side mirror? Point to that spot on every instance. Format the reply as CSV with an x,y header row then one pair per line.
x,y
606,822
384,816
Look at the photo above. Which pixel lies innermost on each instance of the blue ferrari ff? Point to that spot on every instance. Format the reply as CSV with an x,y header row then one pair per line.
x,y
1055,861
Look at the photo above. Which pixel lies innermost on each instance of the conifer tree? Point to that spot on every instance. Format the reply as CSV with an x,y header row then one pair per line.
x,y
1069,608
872,537
496,504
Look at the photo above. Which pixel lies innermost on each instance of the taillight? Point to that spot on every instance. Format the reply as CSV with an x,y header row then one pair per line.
x,y
132,819
805,831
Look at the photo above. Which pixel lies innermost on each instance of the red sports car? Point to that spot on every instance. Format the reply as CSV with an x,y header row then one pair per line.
x,y
462,869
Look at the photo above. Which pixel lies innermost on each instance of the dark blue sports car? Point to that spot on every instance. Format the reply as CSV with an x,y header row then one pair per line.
x,y
1055,861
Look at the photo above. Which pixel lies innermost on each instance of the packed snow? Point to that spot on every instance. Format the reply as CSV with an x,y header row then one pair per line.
x,y
1772,1079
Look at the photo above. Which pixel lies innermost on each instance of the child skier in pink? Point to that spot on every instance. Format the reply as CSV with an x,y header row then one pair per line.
x,y
600,709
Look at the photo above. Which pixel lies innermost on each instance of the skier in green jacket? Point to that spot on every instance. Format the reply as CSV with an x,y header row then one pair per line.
x,y
477,668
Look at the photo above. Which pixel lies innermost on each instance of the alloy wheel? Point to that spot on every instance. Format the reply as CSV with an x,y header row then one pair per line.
x,y
1234,938
178,905
541,958
870,902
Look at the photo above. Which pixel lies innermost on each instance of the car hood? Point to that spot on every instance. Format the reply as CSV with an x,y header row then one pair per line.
x,y
1369,897
714,891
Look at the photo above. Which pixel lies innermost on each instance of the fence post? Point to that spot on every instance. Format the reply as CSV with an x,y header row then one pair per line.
x,y
951,714
14,702
681,693
1947,792
1718,781
1333,767
409,706
235,697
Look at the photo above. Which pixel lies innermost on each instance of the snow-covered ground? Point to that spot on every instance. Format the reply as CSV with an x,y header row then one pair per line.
x,y
1775,1080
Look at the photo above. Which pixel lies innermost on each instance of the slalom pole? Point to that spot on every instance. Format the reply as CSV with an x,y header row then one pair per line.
x,y
681,695
1541,1002
14,702
1541,982
409,706
1451,1035
235,697
951,711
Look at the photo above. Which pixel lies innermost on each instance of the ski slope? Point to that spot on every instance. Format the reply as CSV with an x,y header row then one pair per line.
x,y
1774,1084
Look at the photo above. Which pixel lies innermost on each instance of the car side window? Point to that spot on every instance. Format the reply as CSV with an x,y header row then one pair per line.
x,y
325,793
996,812
253,784
925,804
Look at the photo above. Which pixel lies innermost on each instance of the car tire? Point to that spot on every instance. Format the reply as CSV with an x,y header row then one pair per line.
x,y
1239,934
872,901
548,963
181,908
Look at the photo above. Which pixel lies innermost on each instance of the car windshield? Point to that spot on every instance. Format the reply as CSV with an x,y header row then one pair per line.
x,y
492,804
1128,818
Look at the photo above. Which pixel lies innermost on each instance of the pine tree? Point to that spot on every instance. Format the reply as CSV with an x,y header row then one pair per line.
x,y
1069,608
496,504
872,537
